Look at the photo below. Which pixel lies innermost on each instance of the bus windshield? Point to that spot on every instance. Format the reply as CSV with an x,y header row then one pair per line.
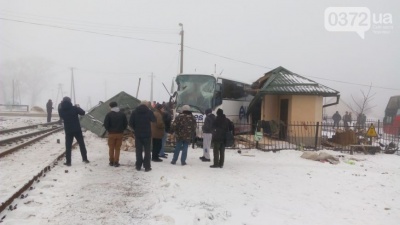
x,y
197,91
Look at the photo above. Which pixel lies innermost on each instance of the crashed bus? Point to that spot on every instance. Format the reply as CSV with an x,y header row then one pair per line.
x,y
203,92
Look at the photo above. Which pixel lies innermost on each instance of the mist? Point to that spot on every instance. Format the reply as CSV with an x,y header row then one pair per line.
x,y
109,45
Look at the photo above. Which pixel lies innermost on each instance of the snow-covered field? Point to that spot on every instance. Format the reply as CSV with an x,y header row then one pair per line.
x,y
253,188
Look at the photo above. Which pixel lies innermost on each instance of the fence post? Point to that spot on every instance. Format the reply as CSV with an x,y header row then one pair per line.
x,y
316,136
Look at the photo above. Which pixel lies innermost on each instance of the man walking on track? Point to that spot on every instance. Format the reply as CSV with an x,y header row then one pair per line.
x,y
49,108
115,123
72,128
140,121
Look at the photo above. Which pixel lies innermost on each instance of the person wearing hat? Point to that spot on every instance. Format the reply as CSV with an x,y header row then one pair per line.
x,y
140,122
157,133
184,127
207,135
115,123
72,128
220,128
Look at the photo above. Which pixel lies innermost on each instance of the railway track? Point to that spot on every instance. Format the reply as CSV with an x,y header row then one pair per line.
x,y
22,139
27,186
6,131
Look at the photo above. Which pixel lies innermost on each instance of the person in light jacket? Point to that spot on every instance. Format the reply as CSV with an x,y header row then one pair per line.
x,y
157,133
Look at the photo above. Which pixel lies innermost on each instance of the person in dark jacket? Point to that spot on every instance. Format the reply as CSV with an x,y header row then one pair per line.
x,y
167,122
345,120
157,133
72,128
184,127
140,122
207,135
115,123
336,119
220,128
49,108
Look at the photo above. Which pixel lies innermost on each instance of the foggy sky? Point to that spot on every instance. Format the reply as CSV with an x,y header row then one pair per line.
x,y
267,33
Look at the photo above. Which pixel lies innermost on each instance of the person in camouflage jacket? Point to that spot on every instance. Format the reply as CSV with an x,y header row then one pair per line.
x,y
184,127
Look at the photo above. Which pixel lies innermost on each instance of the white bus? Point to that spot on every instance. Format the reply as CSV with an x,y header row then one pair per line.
x,y
203,92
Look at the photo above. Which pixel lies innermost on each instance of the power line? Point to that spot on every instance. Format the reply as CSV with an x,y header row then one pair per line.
x,y
189,47
85,23
87,31
364,85
229,58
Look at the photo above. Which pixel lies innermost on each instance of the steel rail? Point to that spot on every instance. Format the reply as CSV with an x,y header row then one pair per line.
x,y
27,185
5,131
18,147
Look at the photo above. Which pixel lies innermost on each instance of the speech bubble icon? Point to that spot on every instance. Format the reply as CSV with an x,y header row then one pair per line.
x,y
348,19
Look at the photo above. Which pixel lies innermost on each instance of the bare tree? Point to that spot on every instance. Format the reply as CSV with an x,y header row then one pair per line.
x,y
363,104
31,74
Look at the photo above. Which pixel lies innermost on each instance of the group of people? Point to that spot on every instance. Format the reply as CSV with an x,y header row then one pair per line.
x,y
150,125
347,120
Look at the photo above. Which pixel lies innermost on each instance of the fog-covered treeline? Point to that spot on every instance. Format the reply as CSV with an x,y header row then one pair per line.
x,y
30,75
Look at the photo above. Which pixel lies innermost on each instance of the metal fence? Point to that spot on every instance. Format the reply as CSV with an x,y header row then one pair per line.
x,y
14,108
274,136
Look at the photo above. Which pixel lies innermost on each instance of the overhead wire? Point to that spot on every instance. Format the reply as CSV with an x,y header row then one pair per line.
x,y
87,31
186,46
89,23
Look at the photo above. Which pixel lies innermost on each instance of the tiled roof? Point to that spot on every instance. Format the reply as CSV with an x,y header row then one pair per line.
x,y
283,81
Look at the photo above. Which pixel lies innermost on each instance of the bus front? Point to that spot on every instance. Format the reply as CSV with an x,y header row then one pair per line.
x,y
197,91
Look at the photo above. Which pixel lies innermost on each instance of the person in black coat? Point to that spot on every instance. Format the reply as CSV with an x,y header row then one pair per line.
x,y
220,128
207,135
140,122
167,122
72,128
49,108
336,119
115,123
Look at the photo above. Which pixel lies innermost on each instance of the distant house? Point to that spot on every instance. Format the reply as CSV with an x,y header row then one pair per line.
x,y
288,98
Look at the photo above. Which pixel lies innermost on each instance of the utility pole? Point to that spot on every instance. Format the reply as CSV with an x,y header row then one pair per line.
x,y
13,91
151,88
181,33
72,85
137,91
89,104
105,90
59,91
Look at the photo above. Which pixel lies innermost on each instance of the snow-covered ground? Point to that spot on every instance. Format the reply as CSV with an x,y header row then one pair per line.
x,y
7,122
259,188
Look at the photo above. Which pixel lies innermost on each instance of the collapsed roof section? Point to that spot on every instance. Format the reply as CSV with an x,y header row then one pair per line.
x,y
93,120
